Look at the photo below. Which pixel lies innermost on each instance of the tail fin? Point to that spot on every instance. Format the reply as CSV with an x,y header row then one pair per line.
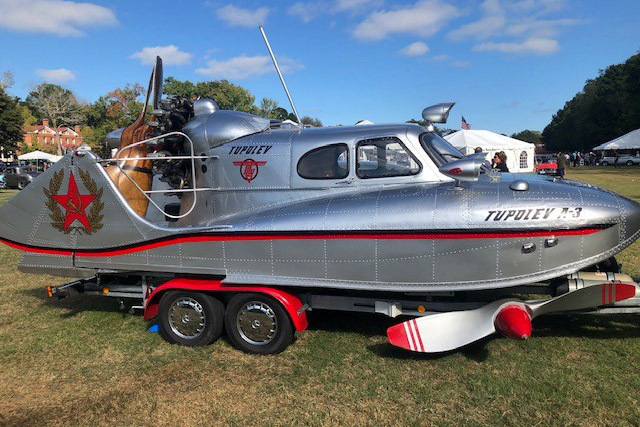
x,y
71,206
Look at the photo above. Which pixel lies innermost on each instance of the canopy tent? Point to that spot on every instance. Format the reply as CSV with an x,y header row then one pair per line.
x,y
520,154
39,155
629,141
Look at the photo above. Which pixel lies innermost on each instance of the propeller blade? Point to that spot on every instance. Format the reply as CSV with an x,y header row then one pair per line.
x,y
440,332
447,331
157,83
587,297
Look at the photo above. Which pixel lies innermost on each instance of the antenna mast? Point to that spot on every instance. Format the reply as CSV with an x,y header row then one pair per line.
x,y
284,84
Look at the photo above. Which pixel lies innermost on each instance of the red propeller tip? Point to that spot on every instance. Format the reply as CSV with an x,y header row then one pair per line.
x,y
398,336
514,322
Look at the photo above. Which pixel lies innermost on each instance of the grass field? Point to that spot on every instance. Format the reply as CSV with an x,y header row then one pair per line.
x,y
82,362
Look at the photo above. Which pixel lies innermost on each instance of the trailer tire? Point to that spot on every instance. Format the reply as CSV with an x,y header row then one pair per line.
x,y
190,318
258,324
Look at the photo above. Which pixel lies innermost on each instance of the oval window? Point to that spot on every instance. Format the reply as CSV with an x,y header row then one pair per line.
x,y
329,162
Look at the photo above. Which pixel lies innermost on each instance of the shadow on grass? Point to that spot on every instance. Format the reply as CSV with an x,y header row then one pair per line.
x,y
76,303
607,326
613,326
369,325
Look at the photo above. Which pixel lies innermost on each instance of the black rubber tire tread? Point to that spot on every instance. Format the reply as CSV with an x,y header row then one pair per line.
x,y
21,185
214,318
284,334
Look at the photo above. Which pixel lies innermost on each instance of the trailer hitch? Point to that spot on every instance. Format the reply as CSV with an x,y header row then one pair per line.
x,y
61,292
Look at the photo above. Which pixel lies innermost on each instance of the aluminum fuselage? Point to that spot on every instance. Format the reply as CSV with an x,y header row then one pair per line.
x,y
268,225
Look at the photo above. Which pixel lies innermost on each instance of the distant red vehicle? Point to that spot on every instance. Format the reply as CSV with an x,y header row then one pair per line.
x,y
547,168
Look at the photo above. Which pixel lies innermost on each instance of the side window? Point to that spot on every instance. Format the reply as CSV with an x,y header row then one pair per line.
x,y
330,162
385,157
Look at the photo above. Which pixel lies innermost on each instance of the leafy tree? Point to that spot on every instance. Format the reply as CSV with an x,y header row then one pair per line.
x,y
527,135
7,80
268,107
57,104
28,119
310,121
10,122
117,109
607,107
227,95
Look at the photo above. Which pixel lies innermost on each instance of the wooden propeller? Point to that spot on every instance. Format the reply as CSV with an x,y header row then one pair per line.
x,y
137,170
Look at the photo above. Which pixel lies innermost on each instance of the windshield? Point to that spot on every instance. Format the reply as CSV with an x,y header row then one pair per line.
x,y
439,149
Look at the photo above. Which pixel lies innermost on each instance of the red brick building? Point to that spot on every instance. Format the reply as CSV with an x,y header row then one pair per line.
x,y
47,136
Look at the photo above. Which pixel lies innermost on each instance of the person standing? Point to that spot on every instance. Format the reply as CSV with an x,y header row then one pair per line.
x,y
561,160
500,162
616,161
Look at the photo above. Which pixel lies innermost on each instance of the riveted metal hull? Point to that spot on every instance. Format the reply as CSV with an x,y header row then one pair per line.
x,y
418,237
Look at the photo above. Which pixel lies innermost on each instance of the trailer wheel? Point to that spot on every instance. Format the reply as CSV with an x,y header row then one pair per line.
x,y
258,324
190,318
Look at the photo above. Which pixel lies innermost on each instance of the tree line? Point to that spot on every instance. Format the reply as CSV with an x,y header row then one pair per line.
x,y
606,108
116,109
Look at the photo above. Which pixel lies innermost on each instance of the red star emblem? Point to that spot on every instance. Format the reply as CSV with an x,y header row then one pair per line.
x,y
75,204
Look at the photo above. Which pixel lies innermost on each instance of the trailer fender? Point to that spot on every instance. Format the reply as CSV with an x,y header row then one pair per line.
x,y
291,303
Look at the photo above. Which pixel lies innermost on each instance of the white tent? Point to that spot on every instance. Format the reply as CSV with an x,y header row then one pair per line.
x,y
520,154
39,155
629,141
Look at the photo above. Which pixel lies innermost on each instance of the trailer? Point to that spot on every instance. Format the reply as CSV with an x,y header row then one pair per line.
x,y
264,319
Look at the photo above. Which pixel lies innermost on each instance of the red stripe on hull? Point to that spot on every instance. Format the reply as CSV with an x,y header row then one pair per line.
x,y
283,237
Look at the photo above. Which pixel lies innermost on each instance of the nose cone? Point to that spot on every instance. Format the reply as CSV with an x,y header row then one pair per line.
x,y
514,322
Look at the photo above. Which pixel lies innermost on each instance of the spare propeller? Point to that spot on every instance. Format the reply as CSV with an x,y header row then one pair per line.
x,y
447,331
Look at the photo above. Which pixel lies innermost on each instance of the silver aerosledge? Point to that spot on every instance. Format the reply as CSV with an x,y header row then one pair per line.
x,y
268,219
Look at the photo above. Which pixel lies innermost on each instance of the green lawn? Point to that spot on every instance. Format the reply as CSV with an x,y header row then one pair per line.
x,y
81,361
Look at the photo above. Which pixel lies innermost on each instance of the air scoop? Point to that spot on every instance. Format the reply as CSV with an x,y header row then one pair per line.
x,y
465,169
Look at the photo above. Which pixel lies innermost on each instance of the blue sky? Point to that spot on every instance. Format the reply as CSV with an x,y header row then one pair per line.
x,y
509,64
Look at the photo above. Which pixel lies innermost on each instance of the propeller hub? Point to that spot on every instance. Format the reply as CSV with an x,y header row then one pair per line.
x,y
514,322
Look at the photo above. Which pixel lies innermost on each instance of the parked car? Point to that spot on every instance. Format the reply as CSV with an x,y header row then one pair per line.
x,y
550,167
624,159
19,176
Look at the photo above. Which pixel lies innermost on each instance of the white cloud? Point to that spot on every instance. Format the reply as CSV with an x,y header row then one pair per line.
x,y
171,55
424,18
307,11
491,23
62,18
244,66
538,46
415,49
460,64
59,75
541,27
539,7
238,17
342,5
441,58
519,24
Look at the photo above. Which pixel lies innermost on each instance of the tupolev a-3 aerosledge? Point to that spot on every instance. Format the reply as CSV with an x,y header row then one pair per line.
x,y
213,220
